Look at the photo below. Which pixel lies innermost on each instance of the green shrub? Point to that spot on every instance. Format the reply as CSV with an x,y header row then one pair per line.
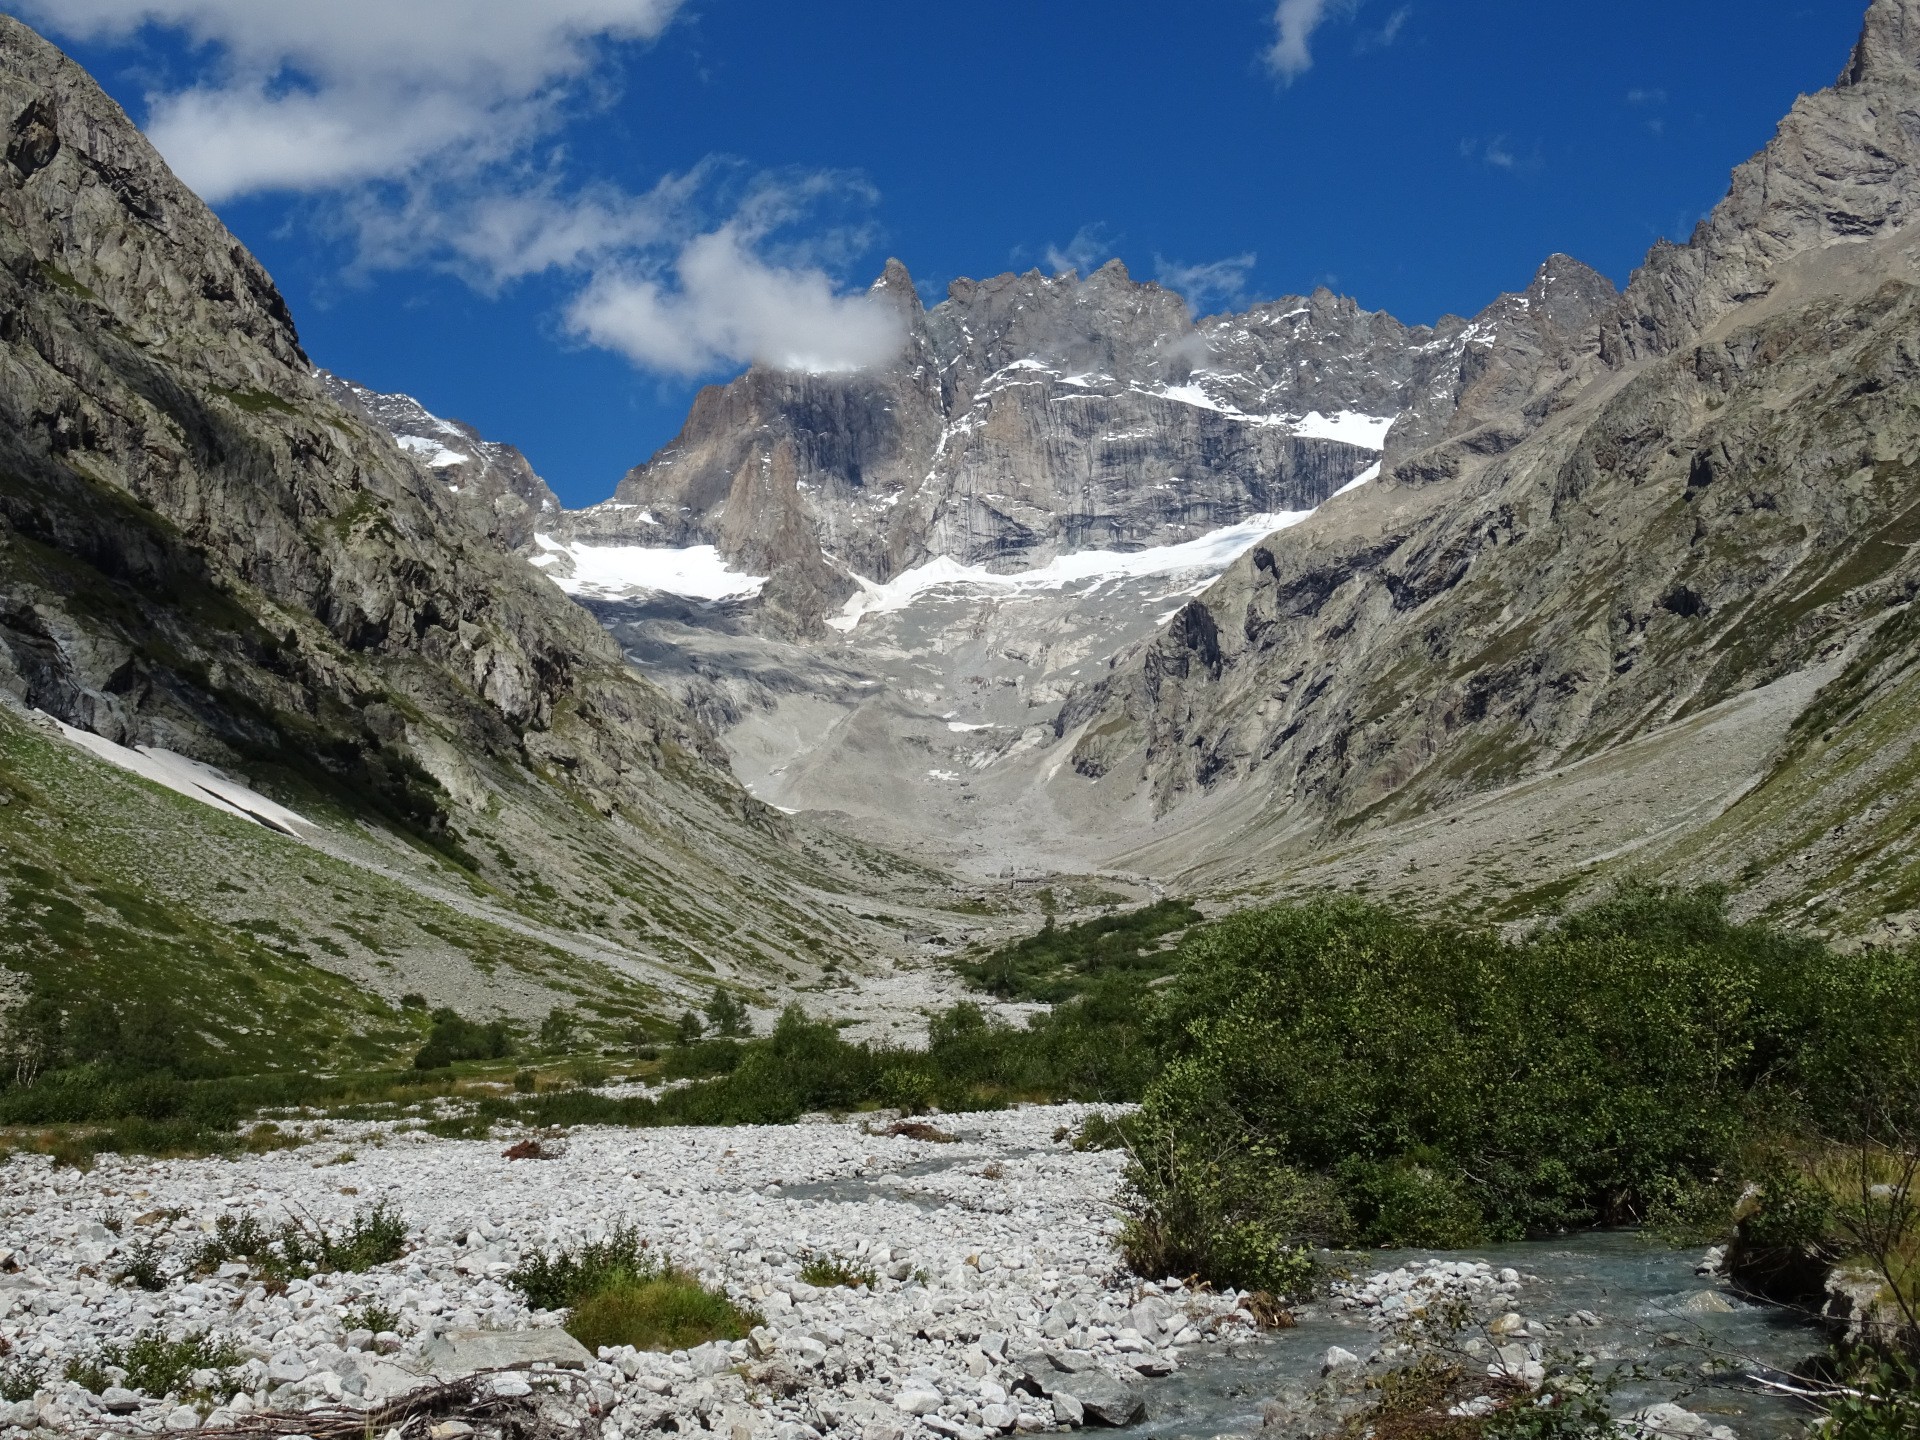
x,y
157,1366
371,1315
827,1271
725,1014
669,1310
559,1031
1886,1402
142,1266
1452,1087
1061,962
564,1277
20,1379
454,1038
375,1236
907,1088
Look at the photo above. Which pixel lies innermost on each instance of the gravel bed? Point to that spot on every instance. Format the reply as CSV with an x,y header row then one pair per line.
x,y
994,1255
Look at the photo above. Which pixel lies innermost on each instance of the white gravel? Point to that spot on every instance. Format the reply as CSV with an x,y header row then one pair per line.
x,y
991,1248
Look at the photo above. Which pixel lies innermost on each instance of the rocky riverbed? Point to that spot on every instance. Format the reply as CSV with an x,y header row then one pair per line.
x,y
999,1303
992,1252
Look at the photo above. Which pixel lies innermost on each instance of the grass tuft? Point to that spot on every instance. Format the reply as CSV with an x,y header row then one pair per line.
x,y
670,1310
826,1271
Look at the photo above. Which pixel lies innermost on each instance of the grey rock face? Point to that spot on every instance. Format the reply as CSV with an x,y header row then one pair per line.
x,y
466,1352
493,486
1029,416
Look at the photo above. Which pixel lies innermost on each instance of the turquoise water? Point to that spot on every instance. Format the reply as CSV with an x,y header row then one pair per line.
x,y
1637,1290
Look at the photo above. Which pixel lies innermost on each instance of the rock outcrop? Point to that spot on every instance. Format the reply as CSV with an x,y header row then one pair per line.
x,y
493,486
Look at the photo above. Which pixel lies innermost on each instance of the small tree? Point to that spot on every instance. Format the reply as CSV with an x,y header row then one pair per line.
x,y
727,1015
689,1029
559,1031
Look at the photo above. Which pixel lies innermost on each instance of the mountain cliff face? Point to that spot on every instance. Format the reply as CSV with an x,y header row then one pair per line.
x,y
493,486
202,551
1637,510
1031,416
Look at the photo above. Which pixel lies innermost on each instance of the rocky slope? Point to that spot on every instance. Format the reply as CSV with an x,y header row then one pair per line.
x,y
494,487
202,551
1636,511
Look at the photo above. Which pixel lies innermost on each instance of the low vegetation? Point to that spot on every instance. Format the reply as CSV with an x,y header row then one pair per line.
x,y
830,1270
1339,1073
618,1291
297,1249
1066,961
158,1366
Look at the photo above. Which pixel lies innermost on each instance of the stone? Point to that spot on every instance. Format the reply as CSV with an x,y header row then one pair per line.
x,y
1338,1357
183,1417
998,1417
117,1400
1668,1421
1706,1302
462,1352
1067,1409
917,1400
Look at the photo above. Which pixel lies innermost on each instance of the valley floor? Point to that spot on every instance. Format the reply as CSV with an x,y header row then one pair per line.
x,y
975,1242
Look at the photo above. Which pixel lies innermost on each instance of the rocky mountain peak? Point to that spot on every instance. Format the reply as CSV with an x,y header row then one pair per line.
x,y
1888,51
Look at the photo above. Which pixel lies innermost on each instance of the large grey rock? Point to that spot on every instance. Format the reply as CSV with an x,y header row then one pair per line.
x,y
462,1352
1104,1398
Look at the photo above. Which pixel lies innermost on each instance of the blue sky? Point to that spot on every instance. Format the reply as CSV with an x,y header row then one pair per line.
x,y
556,221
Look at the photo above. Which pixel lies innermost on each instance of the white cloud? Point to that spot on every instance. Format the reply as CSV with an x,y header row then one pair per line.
x,y
1224,281
419,121
313,95
1082,254
1294,22
729,304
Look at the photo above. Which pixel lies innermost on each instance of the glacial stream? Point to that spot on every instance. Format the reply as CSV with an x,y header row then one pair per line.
x,y
1657,1318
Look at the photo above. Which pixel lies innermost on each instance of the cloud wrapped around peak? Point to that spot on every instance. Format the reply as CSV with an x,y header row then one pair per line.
x,y
731,304
418,121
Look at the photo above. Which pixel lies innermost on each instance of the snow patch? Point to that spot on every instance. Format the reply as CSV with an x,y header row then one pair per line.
x,y
189,778
431,451
960,727
1349,427
1211,552
615,572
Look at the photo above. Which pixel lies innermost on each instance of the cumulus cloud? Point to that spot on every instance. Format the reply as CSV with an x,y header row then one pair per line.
x,y
419,120
1221,281
308,96
1294,22
726,303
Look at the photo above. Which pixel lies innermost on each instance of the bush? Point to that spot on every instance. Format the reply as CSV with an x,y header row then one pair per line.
x,y
1443,1086
375,1236
670,1310
567,1276
726,1014
157,1366
827,1271
1060,963
20,1379
454,1038
621,1293
560,1031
